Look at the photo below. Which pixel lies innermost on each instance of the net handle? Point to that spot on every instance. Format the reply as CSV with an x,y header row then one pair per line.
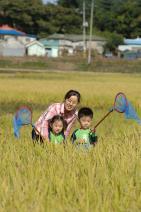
x,y
107,114
111,110
42,141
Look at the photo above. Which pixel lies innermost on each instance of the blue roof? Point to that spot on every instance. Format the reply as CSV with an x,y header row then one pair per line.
x,y
11,32
136,41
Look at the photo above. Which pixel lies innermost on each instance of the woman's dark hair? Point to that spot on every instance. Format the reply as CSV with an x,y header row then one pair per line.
x,y
57,118
72,93
85,111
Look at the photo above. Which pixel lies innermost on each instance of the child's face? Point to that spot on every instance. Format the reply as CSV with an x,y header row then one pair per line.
x,y
57,126
85,122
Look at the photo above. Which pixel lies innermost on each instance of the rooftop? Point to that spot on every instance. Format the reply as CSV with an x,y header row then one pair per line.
x,y
73,37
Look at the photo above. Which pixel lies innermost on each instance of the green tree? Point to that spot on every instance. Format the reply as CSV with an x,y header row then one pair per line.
x,y
22,14
65,20
35,18
113,42
68,3
119,16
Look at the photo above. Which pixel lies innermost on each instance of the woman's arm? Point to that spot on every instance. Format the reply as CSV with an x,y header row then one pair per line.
x,y
42,122
69,127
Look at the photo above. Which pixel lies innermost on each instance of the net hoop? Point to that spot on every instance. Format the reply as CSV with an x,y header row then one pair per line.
x,y
24,107
126,102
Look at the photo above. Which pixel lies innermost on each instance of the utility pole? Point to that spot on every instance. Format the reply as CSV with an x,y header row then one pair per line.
x,y
91,32
84,28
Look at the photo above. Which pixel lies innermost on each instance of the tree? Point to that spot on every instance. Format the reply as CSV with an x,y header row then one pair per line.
x,y
22,14
69,3
119,16
65,20
113,42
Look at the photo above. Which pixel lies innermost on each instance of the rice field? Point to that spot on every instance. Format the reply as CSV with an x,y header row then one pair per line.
x,y
53,178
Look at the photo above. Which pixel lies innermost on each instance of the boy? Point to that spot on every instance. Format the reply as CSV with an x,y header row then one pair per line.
x,y
84,136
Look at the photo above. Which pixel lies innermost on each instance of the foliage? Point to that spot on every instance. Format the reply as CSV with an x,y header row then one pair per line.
x,y
34,17
113,42
119,16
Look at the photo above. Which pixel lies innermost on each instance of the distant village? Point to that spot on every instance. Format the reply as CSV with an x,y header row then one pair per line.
x,y
19,44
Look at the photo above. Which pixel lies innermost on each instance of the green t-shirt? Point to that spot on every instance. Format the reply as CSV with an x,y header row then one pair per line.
x,y
84,134
56,139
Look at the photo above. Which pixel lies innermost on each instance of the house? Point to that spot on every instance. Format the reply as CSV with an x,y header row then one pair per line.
x,y
129,55
35,48
57,44
136,41
131,49
130,44
51,47
11,47
26,39
7,32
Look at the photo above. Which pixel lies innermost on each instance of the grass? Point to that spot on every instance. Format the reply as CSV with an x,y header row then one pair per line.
x,y
69,63
54,178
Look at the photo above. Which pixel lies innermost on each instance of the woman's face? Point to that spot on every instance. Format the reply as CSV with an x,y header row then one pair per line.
x,y
71,103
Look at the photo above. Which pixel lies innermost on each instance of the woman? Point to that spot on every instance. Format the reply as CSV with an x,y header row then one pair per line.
x,y
67,109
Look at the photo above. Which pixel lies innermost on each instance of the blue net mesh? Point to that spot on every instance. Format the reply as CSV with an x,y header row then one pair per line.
x,y
130,113
22,117
120,103
17,127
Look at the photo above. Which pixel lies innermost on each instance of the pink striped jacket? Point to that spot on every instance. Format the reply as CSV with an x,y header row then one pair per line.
x,y
55,109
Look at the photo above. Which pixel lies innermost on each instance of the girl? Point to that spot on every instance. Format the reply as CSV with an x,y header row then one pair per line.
x,y
56,129
67,109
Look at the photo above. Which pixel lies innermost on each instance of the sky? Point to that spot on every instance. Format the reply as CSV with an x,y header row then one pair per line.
x,y
46,1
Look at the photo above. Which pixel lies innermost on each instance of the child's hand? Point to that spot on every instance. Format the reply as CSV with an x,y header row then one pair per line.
x,y
93,139
93,130
81,141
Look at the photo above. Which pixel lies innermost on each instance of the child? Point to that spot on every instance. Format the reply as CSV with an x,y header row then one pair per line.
x,y
84,136
56,129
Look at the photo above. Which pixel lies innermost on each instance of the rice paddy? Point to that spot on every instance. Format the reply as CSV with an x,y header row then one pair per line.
x,y
53,178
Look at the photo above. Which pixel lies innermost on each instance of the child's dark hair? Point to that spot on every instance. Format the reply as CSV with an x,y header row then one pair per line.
x,y
72,93
57,118
85,111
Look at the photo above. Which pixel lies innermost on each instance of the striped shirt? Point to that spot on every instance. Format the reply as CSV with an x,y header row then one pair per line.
x,y
55,109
